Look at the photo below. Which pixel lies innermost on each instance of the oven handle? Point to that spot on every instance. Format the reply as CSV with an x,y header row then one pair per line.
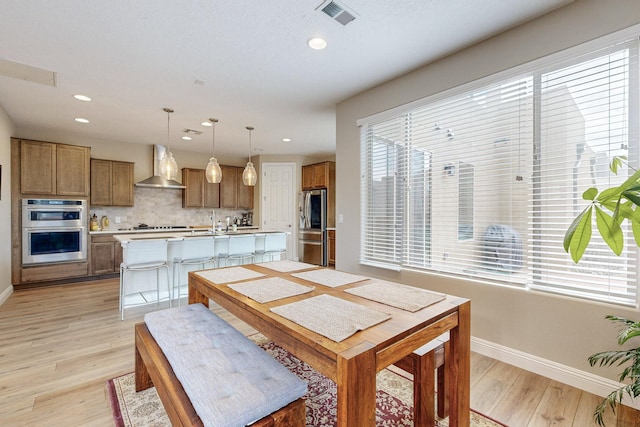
x,y
46,229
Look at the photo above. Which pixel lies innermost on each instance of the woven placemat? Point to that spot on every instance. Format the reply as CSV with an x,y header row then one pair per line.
x,y
329,277
285,266
227,275
396,295
332,317
271,289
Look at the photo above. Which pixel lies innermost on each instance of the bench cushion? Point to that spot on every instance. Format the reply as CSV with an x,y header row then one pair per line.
x,y
228,378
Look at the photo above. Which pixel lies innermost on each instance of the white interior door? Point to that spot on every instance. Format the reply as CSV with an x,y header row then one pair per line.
x,y
279,208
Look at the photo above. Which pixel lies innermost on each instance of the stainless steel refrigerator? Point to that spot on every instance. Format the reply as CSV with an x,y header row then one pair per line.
x,y
312,235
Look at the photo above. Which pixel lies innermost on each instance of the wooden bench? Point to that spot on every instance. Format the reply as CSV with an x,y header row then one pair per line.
x,y
422,364
153,368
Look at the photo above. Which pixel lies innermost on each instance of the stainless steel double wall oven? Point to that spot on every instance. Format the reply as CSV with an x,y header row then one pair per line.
x,y
53,230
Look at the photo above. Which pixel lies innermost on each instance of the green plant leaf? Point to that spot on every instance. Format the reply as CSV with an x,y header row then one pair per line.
x,y
615,192
616,162
635,227
609,194
578,235
632,181
633,196
590,193
632,330
631,372
625,210
610,230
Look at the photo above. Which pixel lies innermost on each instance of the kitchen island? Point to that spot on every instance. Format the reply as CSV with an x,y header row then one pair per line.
x,y
175,237
143,289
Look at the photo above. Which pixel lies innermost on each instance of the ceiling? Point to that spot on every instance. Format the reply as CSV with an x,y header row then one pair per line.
x,y
243,62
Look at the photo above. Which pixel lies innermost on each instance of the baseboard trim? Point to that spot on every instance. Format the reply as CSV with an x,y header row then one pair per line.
x,y
565,374
6,294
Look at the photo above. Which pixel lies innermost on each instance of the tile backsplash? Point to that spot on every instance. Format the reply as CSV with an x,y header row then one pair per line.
x,y
159,207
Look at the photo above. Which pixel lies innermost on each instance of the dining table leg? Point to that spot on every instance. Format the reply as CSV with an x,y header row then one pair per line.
x,y
356,381
195,296
459,372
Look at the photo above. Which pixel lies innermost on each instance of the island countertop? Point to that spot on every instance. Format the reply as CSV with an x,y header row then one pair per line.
x,y
187,230
182,234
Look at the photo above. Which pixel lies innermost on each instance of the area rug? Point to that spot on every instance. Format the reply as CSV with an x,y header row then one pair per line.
x,y
394,398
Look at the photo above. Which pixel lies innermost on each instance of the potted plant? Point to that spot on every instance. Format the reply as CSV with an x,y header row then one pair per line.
x,y
612,207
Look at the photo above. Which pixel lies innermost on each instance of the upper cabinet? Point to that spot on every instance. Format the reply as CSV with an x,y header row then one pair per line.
x,y
318,175
233,193
245,192
52,169
111,183
199,192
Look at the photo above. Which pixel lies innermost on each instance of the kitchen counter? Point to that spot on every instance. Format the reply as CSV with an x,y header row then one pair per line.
x,y
189,230
180,234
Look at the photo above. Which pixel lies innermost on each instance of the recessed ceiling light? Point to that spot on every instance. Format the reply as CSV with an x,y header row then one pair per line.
x,y
187,138
208,124
81,120
84,98
317,43
286,139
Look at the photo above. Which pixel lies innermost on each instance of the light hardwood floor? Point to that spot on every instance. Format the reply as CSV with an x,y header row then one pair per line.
x,y
59,345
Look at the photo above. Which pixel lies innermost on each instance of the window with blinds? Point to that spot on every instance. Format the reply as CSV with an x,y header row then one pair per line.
x,y
483,181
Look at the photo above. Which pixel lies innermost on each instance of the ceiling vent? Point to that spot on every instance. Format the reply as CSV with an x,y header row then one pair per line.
x,y
338,12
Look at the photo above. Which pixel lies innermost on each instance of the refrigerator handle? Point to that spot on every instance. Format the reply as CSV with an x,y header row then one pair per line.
x,y
307,210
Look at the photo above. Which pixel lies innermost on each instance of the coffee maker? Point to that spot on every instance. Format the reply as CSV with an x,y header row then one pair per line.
x,y
247,219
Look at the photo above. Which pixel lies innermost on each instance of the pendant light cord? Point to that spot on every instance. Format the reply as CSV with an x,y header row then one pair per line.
x,y
213,136
168,111
249,128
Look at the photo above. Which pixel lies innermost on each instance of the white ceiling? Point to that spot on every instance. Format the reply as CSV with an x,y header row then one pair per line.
x,y
135,57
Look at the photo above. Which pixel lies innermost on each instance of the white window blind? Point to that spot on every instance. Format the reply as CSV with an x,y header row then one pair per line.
x,y
483,182
585,119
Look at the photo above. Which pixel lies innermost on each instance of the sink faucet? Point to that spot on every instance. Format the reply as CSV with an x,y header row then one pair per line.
x,y
213,220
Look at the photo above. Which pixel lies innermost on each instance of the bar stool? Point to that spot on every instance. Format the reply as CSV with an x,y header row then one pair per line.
x,y
241,247
139,256
275,244
200,251
423,363
221,248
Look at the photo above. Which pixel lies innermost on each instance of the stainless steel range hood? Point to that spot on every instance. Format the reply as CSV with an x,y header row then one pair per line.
x,y
156,181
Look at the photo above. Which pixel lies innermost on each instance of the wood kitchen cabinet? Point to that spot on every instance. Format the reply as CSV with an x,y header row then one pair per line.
x,y
52,169
233,193
106,254
318,175
111,183
331,241
245,192
199,193
229,187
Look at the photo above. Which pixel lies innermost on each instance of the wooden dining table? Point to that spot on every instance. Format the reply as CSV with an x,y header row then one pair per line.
x,y
354,362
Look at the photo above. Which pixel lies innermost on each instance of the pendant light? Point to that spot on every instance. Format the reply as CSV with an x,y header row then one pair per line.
x,y
168,165
213,171
249,175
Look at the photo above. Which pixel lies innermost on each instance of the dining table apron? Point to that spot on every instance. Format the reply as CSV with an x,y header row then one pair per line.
x,y
353,362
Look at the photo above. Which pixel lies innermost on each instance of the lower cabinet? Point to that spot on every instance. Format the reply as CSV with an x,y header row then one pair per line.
x,y
332,246
106,254
52,272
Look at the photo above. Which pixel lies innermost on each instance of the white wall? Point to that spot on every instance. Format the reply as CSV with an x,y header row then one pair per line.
x,y
561,330
6,132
